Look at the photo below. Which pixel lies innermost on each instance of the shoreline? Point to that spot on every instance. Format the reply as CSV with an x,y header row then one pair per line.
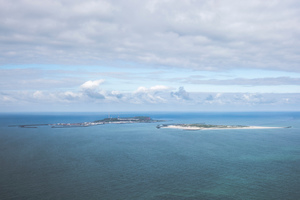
x,y
123,120
216,128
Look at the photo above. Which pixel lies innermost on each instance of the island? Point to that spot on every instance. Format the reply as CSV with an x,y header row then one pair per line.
x,y
146,119
202,126
110,120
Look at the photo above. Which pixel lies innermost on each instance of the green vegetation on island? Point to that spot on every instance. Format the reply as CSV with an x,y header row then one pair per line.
x,y
213,126
110,120
144,119
137,119
200,125
210,126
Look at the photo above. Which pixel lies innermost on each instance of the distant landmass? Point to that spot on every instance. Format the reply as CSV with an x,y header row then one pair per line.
x,y
145,119
138,119
211,127
123,120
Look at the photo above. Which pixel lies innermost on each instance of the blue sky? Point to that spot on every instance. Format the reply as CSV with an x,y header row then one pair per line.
x,y
172,55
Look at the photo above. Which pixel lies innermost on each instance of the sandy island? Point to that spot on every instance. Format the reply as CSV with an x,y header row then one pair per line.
x,y
218,128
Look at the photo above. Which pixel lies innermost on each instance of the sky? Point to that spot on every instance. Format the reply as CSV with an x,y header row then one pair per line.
x,y
150,55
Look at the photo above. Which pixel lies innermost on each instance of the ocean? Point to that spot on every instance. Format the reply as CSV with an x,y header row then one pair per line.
x,y
139,161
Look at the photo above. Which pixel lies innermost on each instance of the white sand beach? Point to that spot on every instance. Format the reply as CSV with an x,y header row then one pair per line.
x,y
216,128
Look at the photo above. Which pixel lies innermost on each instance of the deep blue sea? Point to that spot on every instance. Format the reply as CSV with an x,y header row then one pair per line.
x,y
138,161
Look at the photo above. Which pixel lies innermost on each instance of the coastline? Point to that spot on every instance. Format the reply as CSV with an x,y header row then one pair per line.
x,y
124,120
217,128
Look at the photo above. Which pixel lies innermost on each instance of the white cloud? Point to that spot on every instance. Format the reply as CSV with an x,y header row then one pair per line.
x,y
152,95
181,94
92,91
202,35
141,90
38,95
159,88
91,85
38,79
242,99
6,98
269,81
70,96
156,88
179,99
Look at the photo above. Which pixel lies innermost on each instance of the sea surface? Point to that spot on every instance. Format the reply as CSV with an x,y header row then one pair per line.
x,y
139,161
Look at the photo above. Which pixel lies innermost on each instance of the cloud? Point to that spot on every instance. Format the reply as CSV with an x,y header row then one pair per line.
x,y
91,89
181,94
153,89
157,97
70,96
212,35
240,99
94,95
152,95
209,98
116,94
38,95
6,98
269,81
38,79
91,85
159,88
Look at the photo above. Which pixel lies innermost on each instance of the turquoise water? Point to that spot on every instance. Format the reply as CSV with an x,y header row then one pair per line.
x,y
138,161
